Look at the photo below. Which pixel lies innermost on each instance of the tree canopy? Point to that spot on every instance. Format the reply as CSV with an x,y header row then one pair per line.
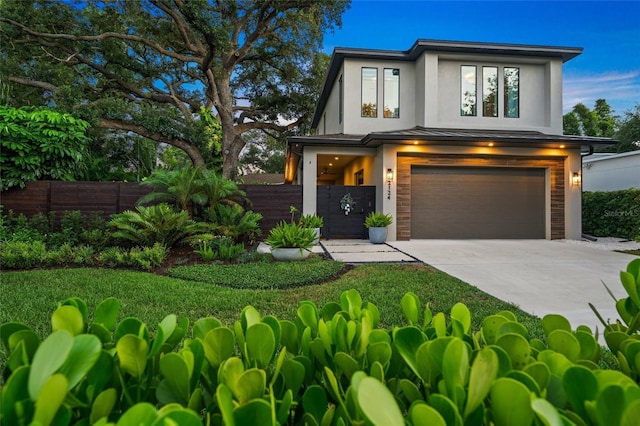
x,y
601,122
150,66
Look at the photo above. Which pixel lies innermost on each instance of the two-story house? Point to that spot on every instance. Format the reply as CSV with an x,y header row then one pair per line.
x,y
453,139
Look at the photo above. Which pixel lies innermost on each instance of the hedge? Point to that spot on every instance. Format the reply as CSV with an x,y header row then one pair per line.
x,y
612,214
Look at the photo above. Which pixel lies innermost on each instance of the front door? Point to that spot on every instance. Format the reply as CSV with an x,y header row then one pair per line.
x,y
338,222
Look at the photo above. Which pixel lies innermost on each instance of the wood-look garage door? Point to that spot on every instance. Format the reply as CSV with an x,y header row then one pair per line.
x,y
477,202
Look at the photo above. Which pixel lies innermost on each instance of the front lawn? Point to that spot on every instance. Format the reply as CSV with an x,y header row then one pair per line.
x,y
31,296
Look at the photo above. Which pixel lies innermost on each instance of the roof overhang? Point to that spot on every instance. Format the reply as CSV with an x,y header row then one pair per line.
x,y
420,136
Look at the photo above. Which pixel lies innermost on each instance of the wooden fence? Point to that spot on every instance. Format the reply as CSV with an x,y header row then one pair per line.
x,y
272,201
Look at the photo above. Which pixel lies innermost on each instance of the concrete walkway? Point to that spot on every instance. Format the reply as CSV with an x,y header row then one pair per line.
x,y
539,276
362,251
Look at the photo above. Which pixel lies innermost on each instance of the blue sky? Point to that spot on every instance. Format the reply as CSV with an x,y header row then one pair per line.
x,y
608,31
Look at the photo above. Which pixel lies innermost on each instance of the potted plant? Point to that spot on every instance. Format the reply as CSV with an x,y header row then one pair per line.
x,y
312,221
290,241
377,224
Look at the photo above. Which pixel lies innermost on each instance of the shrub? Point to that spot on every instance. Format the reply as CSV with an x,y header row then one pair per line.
x,y
377,220
157,224
233,221
612,214
145,258
22,254
311,221
332,365
291,235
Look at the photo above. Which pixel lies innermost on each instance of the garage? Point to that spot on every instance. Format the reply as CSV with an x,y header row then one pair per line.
x,y
452,202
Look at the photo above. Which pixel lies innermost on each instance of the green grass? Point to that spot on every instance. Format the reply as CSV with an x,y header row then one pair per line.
x,y
31,296
261,275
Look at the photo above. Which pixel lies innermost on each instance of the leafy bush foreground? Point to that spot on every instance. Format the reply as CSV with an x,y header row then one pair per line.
x,y
330,366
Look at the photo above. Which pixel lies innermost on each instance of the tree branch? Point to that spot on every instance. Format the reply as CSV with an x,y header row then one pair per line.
x,y
33,83
104,36
191,150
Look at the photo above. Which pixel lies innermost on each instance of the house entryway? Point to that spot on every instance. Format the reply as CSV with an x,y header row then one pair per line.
x,y
340,221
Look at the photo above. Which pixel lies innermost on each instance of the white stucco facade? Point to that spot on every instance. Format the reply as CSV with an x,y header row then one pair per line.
x,y
433,129
611,172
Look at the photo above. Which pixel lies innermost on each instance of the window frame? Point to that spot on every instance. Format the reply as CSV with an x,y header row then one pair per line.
x,y
384,92
375,110
496,91
474,107
506,92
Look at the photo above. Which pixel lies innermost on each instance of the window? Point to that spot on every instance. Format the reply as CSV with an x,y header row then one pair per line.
x,y
490,91
340,99
370,92
359,177
391,93
468,90
512,92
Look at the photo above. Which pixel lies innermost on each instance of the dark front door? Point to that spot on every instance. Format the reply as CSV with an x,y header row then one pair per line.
x,y
337,224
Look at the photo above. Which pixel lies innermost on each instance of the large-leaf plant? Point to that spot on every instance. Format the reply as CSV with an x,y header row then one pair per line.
x,y
329,366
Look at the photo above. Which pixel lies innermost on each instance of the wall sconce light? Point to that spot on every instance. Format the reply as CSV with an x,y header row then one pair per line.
x,y
389,180
576,179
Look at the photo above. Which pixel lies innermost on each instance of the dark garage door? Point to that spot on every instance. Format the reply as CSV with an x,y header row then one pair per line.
x,y
477,202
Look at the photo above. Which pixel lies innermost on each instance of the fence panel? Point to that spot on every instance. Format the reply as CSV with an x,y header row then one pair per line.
x,y
272,201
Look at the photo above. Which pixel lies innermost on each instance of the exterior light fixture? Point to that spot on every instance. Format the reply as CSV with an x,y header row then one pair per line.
x,y
576,179
491,143
561,146
389,180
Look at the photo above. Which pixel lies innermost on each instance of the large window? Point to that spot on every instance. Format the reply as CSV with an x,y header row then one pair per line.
x,y
490,91
369,92
391,93
468,90
512,92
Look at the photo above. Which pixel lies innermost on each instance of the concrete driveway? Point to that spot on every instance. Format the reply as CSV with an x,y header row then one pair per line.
x,y
539,276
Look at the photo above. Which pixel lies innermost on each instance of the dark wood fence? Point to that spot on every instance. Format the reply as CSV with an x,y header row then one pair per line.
x,y
272,201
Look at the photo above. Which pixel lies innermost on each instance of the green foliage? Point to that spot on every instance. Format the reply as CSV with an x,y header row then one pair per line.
x,y
612,214
22,254
291,235
598,122
377,220
311,221
71,228
623,336
157,224
222,248
330,365
628,133
234,222
39,144
114,79
261,275
191,187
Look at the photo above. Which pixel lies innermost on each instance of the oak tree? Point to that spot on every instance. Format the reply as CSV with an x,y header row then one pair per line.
x,y
149,66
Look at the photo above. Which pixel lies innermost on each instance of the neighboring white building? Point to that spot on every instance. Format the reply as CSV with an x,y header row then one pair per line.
x,y
611,172
454,139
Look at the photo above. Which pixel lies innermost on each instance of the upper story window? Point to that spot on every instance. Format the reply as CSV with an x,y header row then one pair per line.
x,y
468,90
490,91
512,92
369,92
391,93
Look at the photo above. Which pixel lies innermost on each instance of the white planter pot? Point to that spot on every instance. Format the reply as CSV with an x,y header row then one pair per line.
x,y
287,253
378,235
317,232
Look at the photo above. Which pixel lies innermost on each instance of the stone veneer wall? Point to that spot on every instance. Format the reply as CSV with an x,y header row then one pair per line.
x,y
405,161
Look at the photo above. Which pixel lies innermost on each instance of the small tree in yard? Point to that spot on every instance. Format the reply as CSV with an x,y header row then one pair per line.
x,y
39,144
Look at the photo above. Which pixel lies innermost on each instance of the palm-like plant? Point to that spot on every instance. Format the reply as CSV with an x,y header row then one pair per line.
x,y
233,221
158,224
220,190
182,187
